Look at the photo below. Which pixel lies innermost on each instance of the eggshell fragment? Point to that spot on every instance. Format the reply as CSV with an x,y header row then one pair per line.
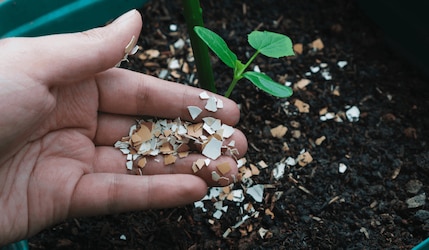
x,y
211,104
213,148
169,159
279,131
142,162
204,95
224,168
194,111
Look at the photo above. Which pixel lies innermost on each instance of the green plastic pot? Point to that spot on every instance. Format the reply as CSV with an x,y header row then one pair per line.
x,y
423,245
20,245
43,17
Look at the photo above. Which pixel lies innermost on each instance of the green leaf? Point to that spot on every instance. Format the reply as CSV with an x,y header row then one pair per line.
x,y
267,84
217,44
271,44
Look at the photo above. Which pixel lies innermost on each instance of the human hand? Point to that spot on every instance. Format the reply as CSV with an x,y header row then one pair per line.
x,y
62,107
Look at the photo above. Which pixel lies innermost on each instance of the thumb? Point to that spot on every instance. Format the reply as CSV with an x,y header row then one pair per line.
x,y
70,57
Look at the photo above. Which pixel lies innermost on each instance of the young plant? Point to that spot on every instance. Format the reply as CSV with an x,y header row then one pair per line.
x,y
194,17
267,43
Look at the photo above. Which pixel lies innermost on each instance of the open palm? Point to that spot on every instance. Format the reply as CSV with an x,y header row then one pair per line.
x,y
62,107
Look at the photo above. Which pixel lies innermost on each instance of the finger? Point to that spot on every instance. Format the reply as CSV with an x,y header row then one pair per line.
x,y
112,128
104,193
131,93
61,58
111,160
220,172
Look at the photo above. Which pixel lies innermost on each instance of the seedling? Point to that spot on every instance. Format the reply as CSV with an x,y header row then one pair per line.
x,y
264,42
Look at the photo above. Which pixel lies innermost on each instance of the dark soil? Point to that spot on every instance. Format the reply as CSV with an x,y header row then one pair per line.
x,y
385,151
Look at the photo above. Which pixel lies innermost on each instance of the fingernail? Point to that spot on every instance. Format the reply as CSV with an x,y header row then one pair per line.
x,y
131,46
125,16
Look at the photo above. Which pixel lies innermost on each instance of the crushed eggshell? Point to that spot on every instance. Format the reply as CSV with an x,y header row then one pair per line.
x,y
279,170
217,214
323,111
211,104
317,44
169,159
353,114
200,163
175,139
238,195
129,165
223,181
342,168
212,148
173,64
130,49
301,84
227,130
304,159
296,134
194,111
326,74
173,27
195,130
207,161
241,162
342,64
142,162
195,168
223,167
320,140
269,213
257,192
200,204
183,154
204,95
262,164
231,143
262,232
175,74
298,48
245,217
219,103
302,106
290,161
336,91
327,116
226,233
149,54
254,169
245,173
278,131
163,74
215,176
179,44
314,69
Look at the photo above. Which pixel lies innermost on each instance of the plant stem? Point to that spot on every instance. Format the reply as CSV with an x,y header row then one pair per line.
x,y
250,61
193,16
231,86
238,74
